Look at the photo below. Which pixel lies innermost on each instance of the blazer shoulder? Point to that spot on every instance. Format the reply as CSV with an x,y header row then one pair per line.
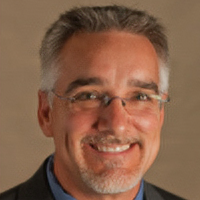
x,y
35,188
10,194
153,192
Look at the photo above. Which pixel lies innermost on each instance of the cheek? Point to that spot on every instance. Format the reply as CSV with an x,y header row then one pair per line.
x,y
77,126
72,128
148,124
149,129
69,129
68,122
80,124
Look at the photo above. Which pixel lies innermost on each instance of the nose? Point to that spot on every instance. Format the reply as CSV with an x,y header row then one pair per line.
x,y
109,100
113,118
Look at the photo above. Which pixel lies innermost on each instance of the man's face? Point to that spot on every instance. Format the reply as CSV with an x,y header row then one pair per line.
x,y
106,149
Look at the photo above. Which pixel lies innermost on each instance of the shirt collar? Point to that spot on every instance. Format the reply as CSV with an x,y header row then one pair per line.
x,y
60,194
56,188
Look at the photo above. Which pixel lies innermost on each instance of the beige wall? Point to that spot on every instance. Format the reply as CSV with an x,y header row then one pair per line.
x,y
22,144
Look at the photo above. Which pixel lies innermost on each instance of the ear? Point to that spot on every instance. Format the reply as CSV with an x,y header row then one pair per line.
x,y
44,113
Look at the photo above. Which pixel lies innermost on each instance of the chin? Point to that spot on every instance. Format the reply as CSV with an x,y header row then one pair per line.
x,y
111,181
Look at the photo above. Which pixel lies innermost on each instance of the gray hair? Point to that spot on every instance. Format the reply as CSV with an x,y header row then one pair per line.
x,y
97,19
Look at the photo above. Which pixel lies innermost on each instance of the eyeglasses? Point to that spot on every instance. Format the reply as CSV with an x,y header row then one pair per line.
x,y
138,101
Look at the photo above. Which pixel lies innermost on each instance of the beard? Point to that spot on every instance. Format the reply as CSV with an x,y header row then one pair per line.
x,y
114,178
111,181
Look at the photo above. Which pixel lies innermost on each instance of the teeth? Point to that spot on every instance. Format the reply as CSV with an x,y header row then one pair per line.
x,y
113,149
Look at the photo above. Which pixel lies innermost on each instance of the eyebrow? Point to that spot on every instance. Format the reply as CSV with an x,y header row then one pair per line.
x,y
146,85
84,82
99,81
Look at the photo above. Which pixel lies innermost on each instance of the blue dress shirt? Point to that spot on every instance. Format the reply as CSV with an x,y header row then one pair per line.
x,y
60,194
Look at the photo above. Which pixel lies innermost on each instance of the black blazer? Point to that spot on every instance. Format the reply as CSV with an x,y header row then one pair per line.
x,y
37,188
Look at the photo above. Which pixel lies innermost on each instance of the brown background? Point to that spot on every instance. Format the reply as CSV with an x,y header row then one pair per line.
x,y
22,144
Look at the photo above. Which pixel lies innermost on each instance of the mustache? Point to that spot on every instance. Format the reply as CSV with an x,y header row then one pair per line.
x,y
109,138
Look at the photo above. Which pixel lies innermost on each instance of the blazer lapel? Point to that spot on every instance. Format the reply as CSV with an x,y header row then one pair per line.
x,y
37,187
151,193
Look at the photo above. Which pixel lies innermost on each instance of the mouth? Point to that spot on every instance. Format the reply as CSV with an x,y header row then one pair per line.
x,y
111,145
114,148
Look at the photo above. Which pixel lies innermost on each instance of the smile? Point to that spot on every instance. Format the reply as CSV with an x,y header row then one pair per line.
x,y
111,149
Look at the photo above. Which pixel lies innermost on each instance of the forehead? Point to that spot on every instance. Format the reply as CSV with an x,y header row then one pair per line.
x,y
114,56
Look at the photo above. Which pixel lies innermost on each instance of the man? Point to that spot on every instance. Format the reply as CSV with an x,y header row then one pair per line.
x,y
104,83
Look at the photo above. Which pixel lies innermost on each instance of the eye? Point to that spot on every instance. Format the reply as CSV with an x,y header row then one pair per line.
x,y
86,95
142,97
